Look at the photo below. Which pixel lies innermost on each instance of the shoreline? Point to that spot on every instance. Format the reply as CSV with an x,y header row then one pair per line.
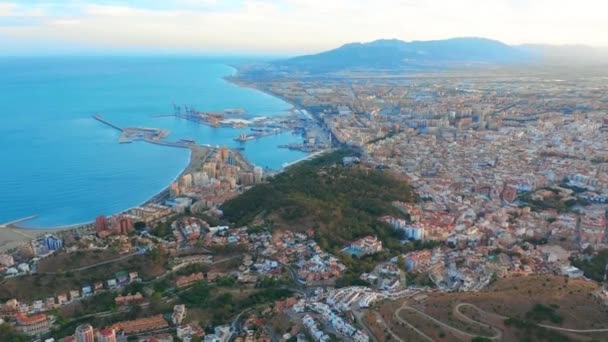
x,y
187,169
243,84
17,234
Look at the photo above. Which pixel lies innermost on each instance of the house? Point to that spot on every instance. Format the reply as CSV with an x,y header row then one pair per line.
x,y
50,302
190,330
98,286
141,325
62,298
184,281
364,246
179,313
6,260
111,283
133,276
87,291
572,272
74,294
156,338
129,299
23,267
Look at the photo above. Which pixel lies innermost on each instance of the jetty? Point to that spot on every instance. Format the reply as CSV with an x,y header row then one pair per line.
x,y
101,119
8,224
148,134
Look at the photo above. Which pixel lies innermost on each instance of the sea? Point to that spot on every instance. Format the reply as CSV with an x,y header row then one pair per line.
x,y
58,163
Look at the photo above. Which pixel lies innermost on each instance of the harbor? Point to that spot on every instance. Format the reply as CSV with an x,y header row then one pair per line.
x,y
299,122
147,134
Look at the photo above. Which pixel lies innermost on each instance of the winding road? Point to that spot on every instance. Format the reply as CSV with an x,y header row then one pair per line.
x,y
497,336
470,320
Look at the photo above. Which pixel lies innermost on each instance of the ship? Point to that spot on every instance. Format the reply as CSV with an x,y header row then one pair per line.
x,y
244,137
234,111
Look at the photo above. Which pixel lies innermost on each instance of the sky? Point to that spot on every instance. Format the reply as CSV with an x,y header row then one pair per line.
x,y
287,26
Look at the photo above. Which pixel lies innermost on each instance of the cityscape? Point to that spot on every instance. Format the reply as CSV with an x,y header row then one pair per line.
x,y
440,190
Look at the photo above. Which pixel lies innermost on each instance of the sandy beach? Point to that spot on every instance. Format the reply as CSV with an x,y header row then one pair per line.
x,y
11,237
15,235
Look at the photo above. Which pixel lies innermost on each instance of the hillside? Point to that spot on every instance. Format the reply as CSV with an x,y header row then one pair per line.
x,y
415,55
515,307
340,203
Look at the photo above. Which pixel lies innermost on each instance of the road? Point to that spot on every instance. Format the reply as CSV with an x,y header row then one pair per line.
x,y
359,316
382,322
457,331
580,331
84,268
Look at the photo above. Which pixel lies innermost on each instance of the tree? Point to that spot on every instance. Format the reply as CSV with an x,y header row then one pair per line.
x,y
139,225
400,262
8,334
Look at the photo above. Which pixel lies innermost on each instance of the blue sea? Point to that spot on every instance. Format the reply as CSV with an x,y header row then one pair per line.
x,y
60,164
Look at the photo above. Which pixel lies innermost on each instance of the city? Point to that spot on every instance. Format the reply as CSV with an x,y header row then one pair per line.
x,y
328,171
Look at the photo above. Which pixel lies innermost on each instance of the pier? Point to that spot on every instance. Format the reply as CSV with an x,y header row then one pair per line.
x,y
147,134
101,119
8,224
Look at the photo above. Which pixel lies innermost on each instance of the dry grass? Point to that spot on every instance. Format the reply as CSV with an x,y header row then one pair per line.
x,y
429,328
61,262
512,297
40,286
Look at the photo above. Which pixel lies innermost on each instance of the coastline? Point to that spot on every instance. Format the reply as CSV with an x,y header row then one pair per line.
x,y
13,237
236,80
244,84
17,234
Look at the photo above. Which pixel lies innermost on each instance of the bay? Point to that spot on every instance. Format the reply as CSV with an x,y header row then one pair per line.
x,y
60,164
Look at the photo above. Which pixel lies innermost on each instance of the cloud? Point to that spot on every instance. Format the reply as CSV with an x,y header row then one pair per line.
x,y
7,8
300,25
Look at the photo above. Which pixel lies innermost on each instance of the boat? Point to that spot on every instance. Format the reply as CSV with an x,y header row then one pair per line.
x,y
244,137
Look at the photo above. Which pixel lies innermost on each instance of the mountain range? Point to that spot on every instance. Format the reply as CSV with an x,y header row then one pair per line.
x,y
395,54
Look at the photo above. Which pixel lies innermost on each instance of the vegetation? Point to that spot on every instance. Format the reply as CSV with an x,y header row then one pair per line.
x,y
341,203
540,313
593,268
552,202
533,332
8,334
481,339
222,305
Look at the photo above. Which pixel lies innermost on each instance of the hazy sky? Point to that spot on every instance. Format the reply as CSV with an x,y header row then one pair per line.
x,y
287,26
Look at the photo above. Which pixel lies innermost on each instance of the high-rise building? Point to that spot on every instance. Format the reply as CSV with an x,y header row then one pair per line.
x,y
246,178
186,181
210,169
107,335
52,242
258,173
84,333
101,224
223,154
125,225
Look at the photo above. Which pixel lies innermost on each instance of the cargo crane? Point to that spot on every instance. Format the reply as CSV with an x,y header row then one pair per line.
x,y
177,110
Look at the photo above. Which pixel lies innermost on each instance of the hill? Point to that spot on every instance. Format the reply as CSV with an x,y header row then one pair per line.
x,y
340,203
521,309
416,55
